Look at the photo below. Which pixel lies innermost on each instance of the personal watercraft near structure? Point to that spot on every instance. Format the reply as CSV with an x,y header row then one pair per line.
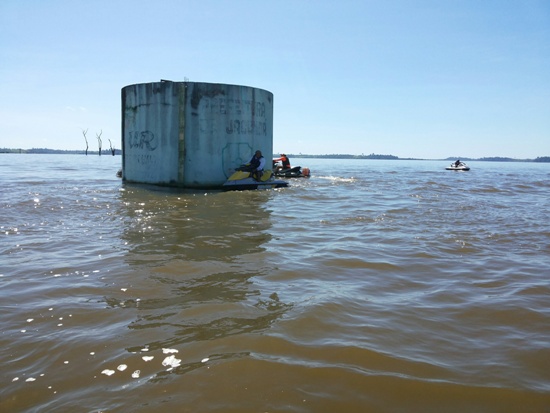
x,y
243,180
282,169
458,166
296,172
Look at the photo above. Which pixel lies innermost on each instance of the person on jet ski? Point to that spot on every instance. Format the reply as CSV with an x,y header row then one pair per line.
x,y
457,163
284,160
257,163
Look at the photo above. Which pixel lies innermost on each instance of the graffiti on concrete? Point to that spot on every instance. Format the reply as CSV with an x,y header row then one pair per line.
x,y
141,145
226,106
242,116
246,127
235,154
143,159
142,140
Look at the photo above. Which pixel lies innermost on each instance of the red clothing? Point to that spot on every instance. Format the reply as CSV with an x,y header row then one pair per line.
x,y
284,159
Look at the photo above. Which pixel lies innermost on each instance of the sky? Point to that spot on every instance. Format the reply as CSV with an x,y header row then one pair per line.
x,y
424,79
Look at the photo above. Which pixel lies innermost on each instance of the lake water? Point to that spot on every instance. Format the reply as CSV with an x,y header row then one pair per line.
x,y
373,286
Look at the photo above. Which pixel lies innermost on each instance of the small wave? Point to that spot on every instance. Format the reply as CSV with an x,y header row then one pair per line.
x,y
337,179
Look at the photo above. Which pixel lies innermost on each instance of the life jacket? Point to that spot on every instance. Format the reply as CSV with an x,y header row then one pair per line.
x,y
255,162
286,162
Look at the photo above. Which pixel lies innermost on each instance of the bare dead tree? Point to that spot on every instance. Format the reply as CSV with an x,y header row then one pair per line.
x,y
112,149
99,141
84,132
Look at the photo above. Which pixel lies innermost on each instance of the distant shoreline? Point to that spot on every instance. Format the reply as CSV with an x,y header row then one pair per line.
x,y
58,151
396,158
331,156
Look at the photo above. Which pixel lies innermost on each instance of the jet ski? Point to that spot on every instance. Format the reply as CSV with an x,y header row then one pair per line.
x,y
296,172
458,166
243,180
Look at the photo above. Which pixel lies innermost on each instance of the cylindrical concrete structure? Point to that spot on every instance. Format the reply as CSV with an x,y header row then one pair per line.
x,y
192,135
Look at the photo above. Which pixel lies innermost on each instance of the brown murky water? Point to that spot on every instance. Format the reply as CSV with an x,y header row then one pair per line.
x,y
374,286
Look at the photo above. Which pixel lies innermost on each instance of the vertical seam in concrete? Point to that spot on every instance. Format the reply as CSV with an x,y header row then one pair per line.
x,y
182,97
122,131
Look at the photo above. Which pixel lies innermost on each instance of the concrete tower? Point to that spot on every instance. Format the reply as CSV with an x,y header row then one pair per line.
x,y
192,135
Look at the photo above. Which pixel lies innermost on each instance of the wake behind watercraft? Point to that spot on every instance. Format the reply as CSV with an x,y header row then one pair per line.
x,y
458,166
243,180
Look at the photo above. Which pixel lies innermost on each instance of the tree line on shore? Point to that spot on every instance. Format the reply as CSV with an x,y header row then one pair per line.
x,y
299,155
393,157
60,151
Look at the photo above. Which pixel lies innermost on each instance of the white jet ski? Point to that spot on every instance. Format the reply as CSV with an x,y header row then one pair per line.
x,y
458,166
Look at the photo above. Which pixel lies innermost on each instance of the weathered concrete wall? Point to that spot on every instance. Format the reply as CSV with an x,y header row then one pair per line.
x,y
150,121
190,134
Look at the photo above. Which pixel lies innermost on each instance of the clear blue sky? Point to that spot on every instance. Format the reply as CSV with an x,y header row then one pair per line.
x,y
426,79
